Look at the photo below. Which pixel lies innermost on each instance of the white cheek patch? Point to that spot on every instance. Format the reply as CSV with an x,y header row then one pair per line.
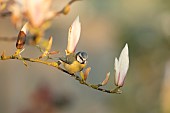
x,y
79,59
85,62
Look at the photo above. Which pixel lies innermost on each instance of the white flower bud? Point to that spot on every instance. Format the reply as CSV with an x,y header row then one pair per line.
x,y
121,67
73,35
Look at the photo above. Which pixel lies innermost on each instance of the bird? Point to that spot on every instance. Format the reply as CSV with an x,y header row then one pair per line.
x,y
74,62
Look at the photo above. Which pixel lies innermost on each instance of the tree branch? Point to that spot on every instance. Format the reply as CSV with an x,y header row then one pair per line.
x,y
56,65
9,39
5,14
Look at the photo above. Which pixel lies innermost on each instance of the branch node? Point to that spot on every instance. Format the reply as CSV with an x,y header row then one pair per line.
x,y
3,55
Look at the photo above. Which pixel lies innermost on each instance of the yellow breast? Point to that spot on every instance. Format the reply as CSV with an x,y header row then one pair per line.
x,y
74,67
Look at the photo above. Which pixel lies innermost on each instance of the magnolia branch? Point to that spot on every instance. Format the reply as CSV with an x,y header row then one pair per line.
x,y
14,38
8,39
5,14
56,65
72,63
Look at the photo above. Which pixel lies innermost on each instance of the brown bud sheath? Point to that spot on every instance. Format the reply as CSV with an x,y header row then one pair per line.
x,y
21,40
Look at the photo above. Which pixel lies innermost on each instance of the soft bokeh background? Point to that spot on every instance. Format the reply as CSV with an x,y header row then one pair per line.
x,y
106,26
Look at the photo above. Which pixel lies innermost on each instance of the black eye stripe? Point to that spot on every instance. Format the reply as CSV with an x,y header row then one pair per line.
x,y
81,58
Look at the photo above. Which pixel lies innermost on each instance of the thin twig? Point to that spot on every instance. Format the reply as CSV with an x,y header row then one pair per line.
x,y
9,39
56,65
5,14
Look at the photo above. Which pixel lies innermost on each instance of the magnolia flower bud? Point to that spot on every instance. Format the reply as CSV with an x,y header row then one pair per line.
x,y
38,11
73,35
121,67
105,81
21,37
48,48
86,73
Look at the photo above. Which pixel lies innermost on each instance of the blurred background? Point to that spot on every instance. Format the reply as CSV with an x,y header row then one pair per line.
x,y
106,27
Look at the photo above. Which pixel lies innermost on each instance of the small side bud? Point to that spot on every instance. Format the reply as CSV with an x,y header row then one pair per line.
x,y
53,52
66,10
3,55
105,81
48,48
25,64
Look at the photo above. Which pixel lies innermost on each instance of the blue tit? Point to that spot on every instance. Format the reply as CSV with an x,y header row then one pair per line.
x,y
74,62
